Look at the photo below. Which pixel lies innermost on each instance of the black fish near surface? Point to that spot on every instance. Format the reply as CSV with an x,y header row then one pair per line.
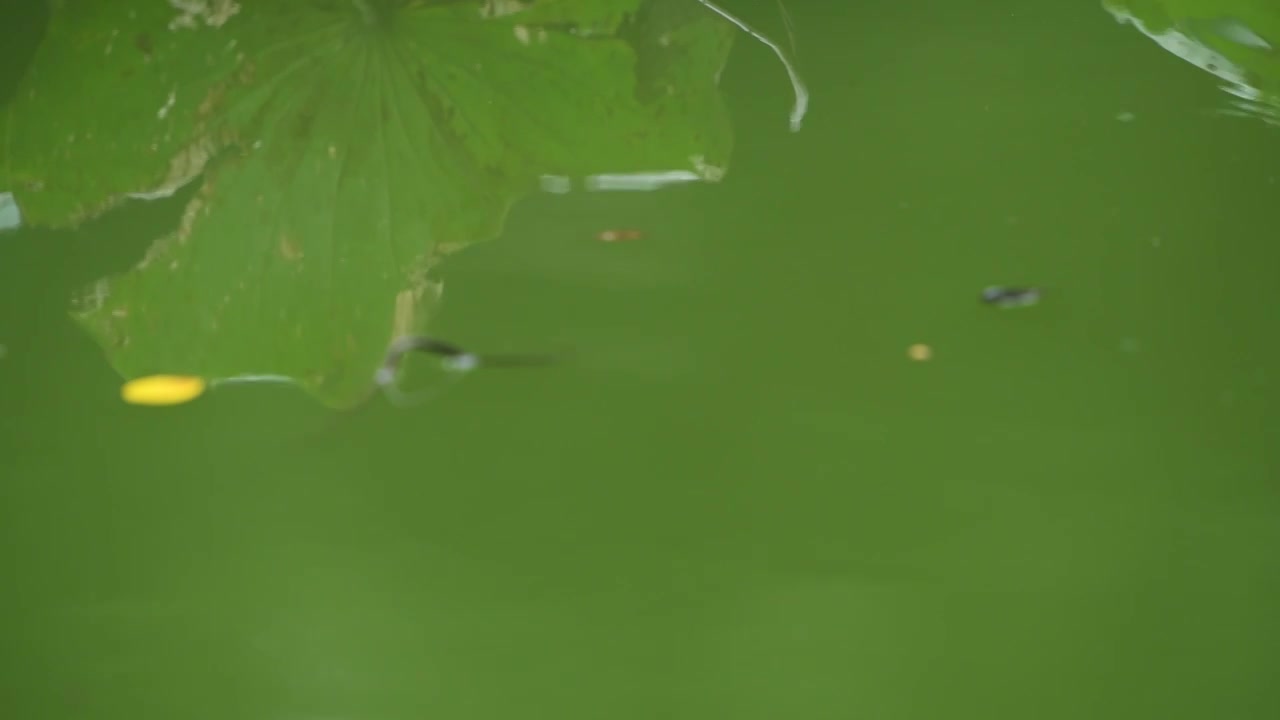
x,y
1011,297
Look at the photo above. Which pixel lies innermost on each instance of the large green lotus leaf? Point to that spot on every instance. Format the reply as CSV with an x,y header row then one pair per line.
x,y
93,121
586,16
345,146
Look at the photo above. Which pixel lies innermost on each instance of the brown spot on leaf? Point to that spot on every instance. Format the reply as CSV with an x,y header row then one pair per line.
x,y
142,41
211,101
289,249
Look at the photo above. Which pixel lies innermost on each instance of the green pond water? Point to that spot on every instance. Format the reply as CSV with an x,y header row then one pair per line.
x,y
737,496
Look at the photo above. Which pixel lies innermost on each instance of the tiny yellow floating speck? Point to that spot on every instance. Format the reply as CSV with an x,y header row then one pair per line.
x,y
920,352
158,390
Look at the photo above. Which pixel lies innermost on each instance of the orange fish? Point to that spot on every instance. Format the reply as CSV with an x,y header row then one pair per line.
x,y
618,235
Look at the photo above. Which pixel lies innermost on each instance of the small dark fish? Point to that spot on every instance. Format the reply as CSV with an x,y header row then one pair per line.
x,y
455,360
1010,297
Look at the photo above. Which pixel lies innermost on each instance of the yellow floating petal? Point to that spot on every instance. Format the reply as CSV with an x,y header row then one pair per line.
x,y
162,389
